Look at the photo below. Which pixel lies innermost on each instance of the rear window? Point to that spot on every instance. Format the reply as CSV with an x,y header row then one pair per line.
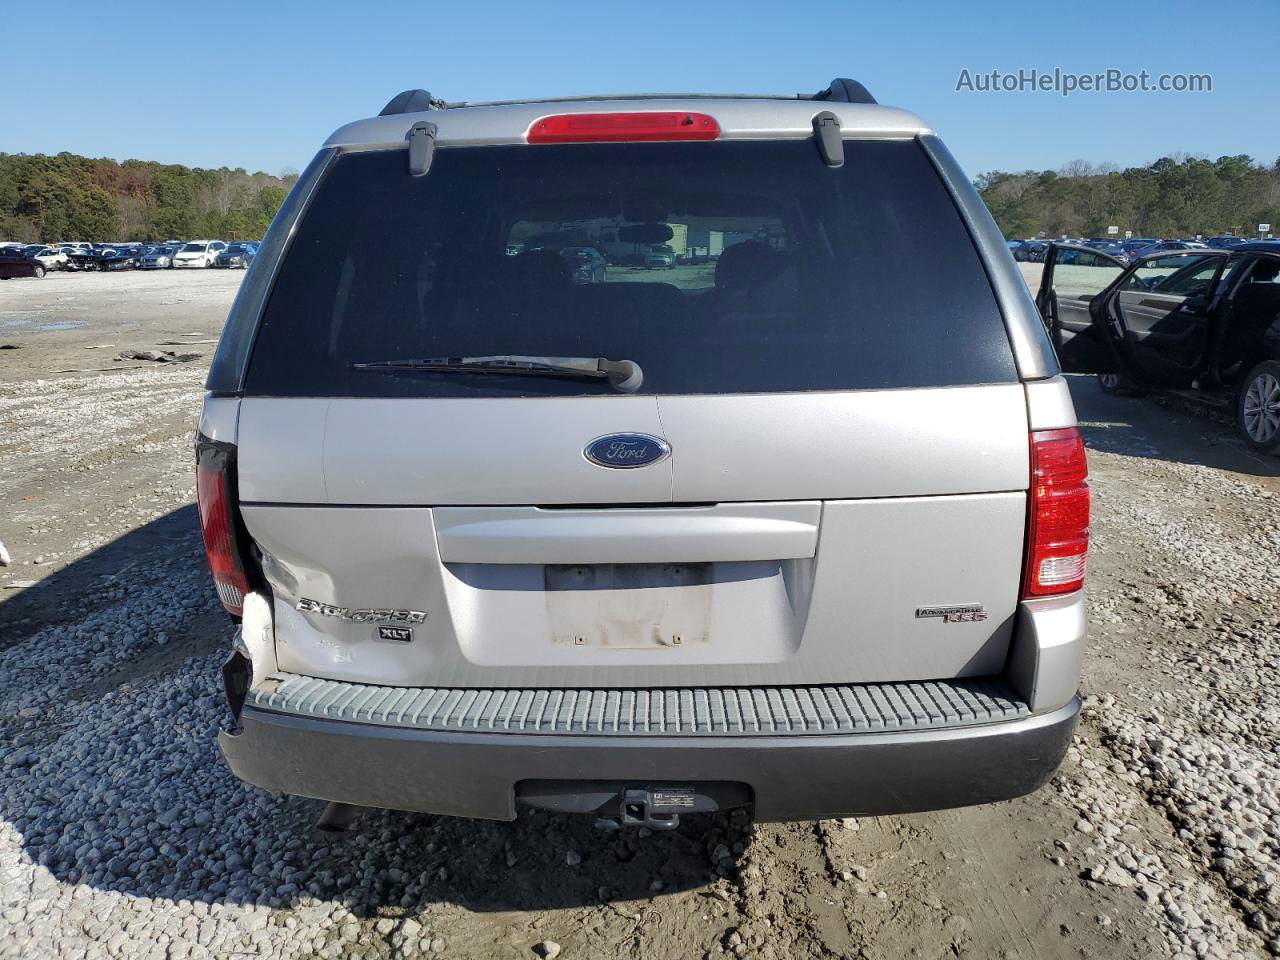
x,y
731,267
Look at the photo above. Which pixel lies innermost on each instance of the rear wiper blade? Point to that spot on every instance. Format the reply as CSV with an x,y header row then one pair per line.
x,y
623,375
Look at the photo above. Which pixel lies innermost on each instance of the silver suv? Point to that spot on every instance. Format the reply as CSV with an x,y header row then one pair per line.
x,y
799,523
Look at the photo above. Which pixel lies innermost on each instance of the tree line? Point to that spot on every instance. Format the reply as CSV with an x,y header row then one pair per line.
x,y
69,198
1176,196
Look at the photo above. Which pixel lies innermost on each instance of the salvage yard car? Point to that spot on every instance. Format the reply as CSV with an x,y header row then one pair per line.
x,y
801,529
119,258
51,257
15,263
157,258
586,264
1136,246
1202,321
237,255
82,258
1030,251
659,255
198,253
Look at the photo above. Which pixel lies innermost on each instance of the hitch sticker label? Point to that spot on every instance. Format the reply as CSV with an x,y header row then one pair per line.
x,y
671,797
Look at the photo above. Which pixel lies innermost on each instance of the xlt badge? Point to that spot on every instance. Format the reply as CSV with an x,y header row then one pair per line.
x,y
399,634
956,613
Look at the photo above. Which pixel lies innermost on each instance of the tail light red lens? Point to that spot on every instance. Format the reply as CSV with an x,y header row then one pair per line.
x,y
622,127
215,503
1057,514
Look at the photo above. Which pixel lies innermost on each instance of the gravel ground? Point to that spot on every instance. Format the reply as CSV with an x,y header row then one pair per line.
x,y
123,835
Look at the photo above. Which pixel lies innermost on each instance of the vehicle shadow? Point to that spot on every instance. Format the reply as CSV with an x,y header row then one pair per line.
x,y
110,703
1168,428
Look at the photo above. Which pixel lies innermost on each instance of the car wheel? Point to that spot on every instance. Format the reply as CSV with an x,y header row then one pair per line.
x,y
1258,408
38,273
1118,385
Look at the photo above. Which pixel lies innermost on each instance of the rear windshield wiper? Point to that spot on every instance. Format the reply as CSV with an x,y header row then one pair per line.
x,y
624,376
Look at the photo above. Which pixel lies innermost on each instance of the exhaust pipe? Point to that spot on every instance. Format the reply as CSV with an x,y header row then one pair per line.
x,y
337,817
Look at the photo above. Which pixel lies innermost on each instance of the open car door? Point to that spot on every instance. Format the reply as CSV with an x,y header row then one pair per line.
x,y
1156,316
1073,277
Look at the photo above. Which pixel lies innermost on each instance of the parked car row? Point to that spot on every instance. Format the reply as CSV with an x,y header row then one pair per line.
x,y
1127,250
35,259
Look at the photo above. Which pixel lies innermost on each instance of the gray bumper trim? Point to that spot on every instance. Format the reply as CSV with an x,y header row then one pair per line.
x,y
714,711
791,777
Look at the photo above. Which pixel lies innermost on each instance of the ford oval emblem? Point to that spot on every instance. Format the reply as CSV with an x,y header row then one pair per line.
x,y
625,451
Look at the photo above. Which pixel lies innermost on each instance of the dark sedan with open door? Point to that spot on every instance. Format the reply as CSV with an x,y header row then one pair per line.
x,y
1202,320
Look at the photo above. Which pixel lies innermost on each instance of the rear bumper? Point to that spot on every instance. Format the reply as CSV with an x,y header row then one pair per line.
x,y
791,777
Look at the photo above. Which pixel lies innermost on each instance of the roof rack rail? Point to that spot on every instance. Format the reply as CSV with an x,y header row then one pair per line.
x,y
411,101
844,90
840,90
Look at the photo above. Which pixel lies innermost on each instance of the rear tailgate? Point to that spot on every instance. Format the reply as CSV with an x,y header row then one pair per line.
x,y
809,567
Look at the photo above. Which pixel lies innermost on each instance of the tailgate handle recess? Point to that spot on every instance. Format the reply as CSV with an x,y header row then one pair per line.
x,y
743,532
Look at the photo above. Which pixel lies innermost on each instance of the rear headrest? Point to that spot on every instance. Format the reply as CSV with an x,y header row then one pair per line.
x,y
747,265
1265,272
542,266
530,277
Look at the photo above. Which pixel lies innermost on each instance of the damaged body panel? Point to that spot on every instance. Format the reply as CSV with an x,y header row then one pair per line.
x,y
843,613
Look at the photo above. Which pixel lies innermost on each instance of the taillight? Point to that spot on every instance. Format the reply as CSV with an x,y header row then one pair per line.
x,y
1057,514
622,127
216,503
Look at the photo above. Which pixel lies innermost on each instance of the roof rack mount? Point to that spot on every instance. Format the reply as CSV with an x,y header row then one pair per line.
x,y
844,90
411,101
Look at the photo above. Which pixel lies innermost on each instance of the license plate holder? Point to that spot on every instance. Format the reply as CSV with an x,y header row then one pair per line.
x,y
629,606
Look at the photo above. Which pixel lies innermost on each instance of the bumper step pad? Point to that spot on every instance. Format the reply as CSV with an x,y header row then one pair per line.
x,y
680,712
